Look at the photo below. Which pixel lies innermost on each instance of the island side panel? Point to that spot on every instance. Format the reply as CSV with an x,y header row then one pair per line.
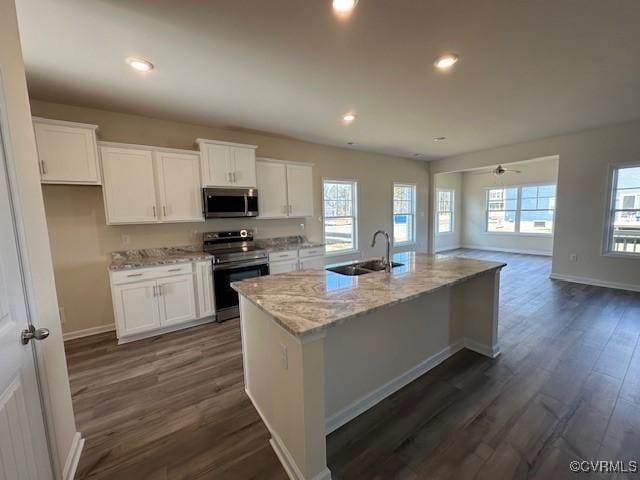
x,y
474,305
284,378
370,357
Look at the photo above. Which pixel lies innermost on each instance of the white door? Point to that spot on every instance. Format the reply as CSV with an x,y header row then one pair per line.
x,y
204,280
23,447
283,267
179,190
217,166
67,154
177,299
272,189
300,190
244,167
136,307
128,185
312,262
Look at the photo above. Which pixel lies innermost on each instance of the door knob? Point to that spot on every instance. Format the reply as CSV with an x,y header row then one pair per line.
x,y
32,332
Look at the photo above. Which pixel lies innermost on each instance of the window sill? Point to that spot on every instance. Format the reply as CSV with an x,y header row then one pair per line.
x,y
445,234
621,255
518,234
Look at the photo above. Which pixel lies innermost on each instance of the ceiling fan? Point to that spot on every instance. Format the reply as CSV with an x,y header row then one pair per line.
x,y
498,171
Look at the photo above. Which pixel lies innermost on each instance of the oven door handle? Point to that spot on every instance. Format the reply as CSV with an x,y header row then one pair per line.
x,y
233,265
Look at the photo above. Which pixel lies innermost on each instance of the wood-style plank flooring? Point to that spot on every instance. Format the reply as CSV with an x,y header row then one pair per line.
x,y
567,386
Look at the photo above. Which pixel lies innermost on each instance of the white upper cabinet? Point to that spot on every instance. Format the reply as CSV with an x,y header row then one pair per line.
x,y
129,188
67,152
284,189
272,189
150,185
226,164
300,190
178,182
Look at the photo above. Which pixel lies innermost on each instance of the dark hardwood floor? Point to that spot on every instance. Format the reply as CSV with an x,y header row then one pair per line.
x,y
566,387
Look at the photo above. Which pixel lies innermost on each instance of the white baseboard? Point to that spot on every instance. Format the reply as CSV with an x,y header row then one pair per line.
x,y
87,332
509,250
283,454
481,348
161,331
71,464
595,282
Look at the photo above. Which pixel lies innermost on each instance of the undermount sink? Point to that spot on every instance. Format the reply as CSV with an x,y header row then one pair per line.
x,y
362,268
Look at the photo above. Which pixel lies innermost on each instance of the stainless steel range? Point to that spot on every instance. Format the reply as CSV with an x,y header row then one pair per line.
x,y
235,257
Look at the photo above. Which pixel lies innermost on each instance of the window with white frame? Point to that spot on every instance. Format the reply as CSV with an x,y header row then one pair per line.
x,y
339,201
445,211
624,217
404,213
521,209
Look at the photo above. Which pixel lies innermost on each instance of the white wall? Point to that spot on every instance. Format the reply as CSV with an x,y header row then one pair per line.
x,y
474,208
584,162
447,241
34,239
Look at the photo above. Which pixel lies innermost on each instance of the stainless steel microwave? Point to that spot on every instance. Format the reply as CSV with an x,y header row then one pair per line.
x,y
230,202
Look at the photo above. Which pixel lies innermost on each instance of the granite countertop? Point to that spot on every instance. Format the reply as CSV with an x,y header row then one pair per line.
x,y
309,301
286,243
150,257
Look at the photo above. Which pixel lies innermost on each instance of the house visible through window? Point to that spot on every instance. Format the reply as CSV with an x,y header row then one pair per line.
x,y
340,215
624,225
445,211
404,213
521,209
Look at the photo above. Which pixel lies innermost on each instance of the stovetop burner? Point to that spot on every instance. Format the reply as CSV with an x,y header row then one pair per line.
x,y
232,246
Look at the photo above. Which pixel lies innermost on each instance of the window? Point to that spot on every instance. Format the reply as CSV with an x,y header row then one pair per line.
x,y
624,222
404,213
445,211
521,209
340,210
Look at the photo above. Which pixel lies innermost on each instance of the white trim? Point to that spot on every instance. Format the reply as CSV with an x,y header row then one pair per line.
x,y
201,141
486,350
354,216
73,458
414,214
135,146
509,250
595,282
283,162
87,332
65,123
609,210
283,454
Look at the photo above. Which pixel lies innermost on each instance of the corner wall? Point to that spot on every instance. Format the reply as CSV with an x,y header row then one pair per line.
x,y
584,162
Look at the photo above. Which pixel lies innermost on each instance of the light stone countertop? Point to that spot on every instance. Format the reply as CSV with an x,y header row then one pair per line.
x,y
294,242
309,301
152,257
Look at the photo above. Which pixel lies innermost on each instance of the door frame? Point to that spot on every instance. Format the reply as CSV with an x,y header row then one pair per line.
x,y
25,272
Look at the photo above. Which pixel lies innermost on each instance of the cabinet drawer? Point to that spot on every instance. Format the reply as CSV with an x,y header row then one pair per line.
x,y
139,274
284,255
311,252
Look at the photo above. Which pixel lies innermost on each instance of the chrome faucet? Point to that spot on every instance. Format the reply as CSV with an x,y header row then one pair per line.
x,y
387,259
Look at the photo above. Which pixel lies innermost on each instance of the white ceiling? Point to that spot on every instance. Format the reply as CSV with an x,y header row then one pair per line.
x,y
528,69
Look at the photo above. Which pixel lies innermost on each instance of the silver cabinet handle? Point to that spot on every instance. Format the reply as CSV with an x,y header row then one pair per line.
x,y
135,275
154,290
164,210
154,211
160,290
233,175
229,177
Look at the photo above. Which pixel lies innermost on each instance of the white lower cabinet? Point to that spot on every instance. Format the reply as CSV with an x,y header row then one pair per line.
x,y
294,260
283,267
312,262
155,300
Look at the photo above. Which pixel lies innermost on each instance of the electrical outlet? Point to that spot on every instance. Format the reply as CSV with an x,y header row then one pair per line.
x,y
302,226
573,257
284,356
125,239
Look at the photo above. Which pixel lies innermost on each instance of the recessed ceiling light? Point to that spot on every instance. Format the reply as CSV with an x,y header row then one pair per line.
x,y
344,6
439,139
348,117
140,64
446,61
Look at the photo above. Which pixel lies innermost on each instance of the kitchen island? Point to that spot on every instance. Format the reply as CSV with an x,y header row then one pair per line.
x,y
320,348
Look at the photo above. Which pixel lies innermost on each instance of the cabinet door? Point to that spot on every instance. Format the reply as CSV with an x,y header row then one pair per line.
x,y
136,307
129,187
300,190
244,167
177,299
217,165
272,189
67,154
312,262
179,191
283,267
204,284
